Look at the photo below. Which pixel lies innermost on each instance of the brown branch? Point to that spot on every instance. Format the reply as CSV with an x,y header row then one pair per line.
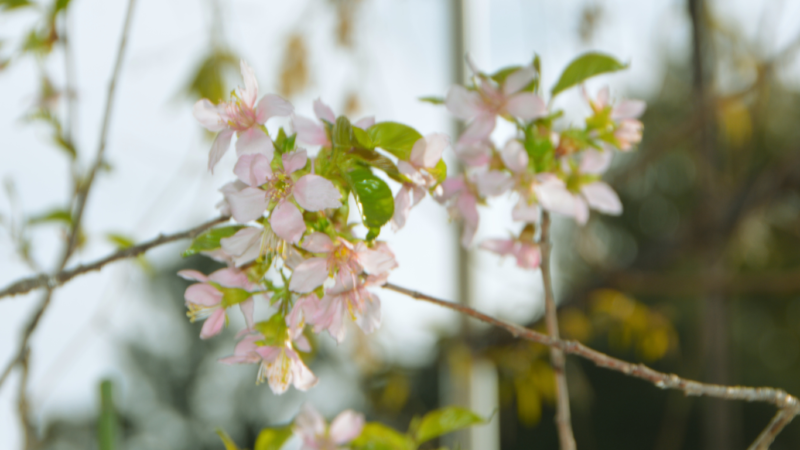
x,y
789,405
563,417
39,281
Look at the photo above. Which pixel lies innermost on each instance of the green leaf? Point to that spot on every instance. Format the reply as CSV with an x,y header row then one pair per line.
x,y
232,296
273,329
439,171
395,138
107,422
362,138
120,241
379,162
501,75
209,80
373,196
445,420
343,134
273,438
226,439
376,436
55,215
585,67
7,5
432,100
210,239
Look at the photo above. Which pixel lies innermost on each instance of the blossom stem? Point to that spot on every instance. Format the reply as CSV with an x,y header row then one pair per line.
x,y
563,416
788,405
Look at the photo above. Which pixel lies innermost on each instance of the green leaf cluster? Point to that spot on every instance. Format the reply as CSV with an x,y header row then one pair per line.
x,y
377,436
210,240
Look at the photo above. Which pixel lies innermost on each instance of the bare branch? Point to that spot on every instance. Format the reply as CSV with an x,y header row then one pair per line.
x,y
40,281
788,404
776,425
563,417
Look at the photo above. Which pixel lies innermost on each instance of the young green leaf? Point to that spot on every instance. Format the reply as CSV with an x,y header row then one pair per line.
x,y
395,138
373,196
439,171
226,440
362,139
55,215
273,330
210,239
585,67
273,438
379,162
343,134
432,100
120,241
376,436
445,420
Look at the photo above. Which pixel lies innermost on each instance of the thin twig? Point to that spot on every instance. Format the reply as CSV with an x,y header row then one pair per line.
x,y
788,404
23,405
83,192
26,285
563,417
776,425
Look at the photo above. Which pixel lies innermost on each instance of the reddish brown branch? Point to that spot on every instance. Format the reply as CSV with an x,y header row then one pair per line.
x,y
789,405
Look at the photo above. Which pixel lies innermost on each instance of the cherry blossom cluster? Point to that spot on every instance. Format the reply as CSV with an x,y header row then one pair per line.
x,y
294,249
555,171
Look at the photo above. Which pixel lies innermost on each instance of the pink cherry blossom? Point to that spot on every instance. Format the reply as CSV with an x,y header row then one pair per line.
x,y
349,298
463,204
206,301
310,132
280,366
241,116
482,106
312,192
310,426
625,115
527,254
341,260
425,154
596,194
250,243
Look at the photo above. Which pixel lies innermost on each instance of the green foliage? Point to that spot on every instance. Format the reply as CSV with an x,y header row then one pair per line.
x,y
377,436
54,215
107,422
343,138
226,439
373,196
378,161
283,143
585,67
232,296
432,100
8,5
44,115
210,239
439,171
273,329
273,438
210,75
446,420
395,138
120,241
362,139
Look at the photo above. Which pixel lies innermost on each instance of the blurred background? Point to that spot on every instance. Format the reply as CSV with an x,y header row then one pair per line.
x,y
699,276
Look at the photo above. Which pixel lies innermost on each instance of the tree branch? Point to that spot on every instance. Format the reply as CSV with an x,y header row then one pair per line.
x,y
40,281
788,404
563,416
